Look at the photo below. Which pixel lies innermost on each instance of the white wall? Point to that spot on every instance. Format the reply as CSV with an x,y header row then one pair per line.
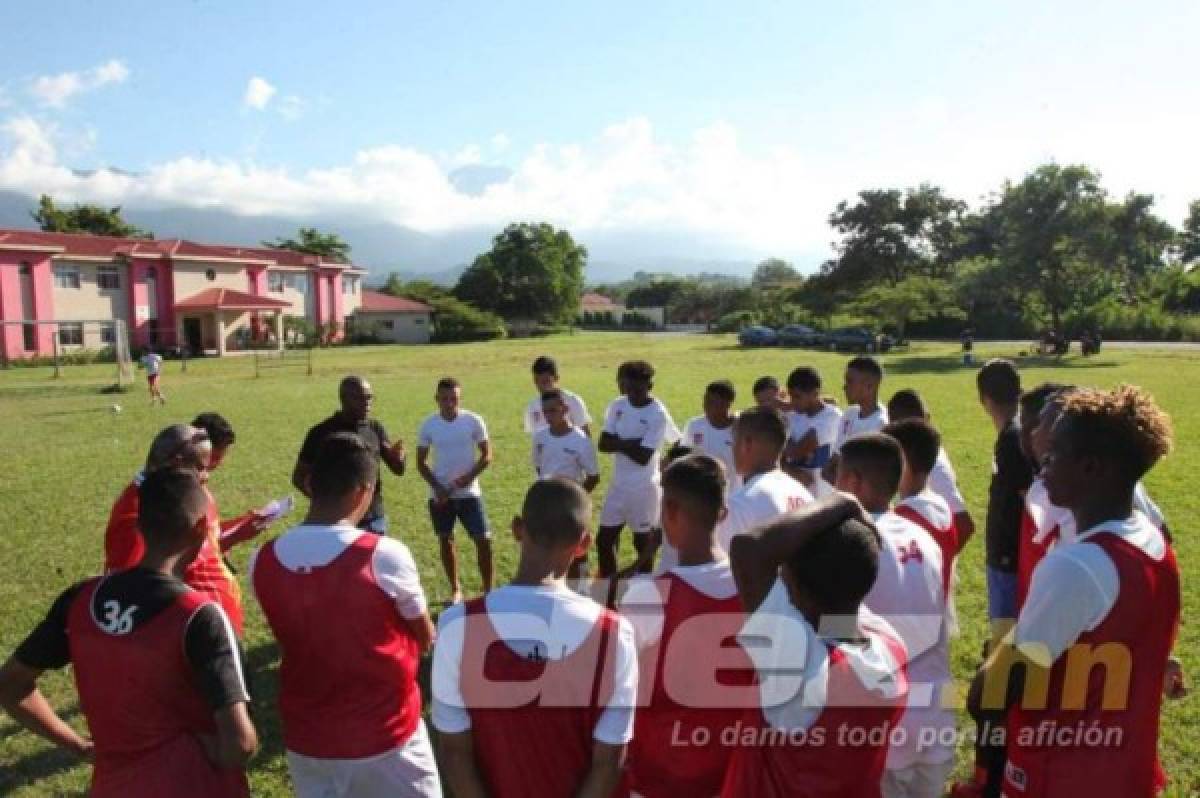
x,y
406,328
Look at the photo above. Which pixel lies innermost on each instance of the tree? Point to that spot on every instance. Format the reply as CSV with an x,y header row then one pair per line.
x,y
1053,238
654,294
533,271
1189,236
91,219
1137,242
420,290
891,234
329,246
914,298
774,272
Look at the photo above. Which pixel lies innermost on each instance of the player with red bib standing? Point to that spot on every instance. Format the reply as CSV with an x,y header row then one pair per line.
x,y
155,662
533,684
1114,592
347,608
831,676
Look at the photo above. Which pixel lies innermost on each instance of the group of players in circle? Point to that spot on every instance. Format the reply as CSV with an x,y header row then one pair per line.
x,y
783,631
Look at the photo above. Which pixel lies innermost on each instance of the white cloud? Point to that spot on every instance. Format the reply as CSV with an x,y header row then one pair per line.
x,y
54,91
258,93
712,190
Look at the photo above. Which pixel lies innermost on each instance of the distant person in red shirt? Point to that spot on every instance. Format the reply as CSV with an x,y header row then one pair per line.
x,y
156,666
1116,588
347,608
695,680
831,675
534,685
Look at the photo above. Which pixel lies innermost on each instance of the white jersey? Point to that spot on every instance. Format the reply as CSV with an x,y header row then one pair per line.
x,y
572,455
854,423
762,499
454,444
944,482
700,435
908,594
826,423
550,622
577,411
152,364
652,425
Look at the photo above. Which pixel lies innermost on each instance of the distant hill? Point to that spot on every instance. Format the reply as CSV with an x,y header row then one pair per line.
x,y
384,248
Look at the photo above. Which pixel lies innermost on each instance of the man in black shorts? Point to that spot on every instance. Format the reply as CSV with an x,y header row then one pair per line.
x,y
354,416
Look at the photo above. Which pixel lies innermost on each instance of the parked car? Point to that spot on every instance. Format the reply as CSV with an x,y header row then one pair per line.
x,y
758,335
858,339
798,335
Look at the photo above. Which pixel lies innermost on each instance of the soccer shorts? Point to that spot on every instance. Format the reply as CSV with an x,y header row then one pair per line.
x,y
919,780
636,506
152,380
468,510
409,771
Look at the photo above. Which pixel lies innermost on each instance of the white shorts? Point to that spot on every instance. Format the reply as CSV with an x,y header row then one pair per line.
x,y
409,771
920,780
634,505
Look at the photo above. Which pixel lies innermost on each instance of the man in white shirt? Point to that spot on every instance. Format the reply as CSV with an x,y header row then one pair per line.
x,y
459,440
636,425
812,430
545,379
152,362
865,414
943,480
561,449
497,738
760,435
712,433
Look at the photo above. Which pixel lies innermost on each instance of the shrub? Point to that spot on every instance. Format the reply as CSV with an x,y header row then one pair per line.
x,y
455,320
733,322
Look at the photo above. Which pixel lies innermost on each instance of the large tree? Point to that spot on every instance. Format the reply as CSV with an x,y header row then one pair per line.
x,y
914,298
313,242
891,234
1189,236
532,271
92,219
774,272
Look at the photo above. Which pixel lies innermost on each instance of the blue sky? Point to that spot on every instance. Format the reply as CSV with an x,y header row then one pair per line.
x,y
736,126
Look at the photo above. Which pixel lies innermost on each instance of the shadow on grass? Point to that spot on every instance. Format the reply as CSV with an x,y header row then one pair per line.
x,y
946,364
44,763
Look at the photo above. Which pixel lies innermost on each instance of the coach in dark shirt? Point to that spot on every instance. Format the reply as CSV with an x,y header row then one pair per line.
x,y
354,416
999,392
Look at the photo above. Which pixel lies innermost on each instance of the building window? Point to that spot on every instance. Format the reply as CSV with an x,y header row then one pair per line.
x,y
25,270
298,283
66,277
70,333
418,321
388,324
108,278
350,285
108,335
30,334
210,274
275,282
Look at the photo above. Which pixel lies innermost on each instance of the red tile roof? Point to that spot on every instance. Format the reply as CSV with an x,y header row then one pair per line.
x,y
596,301
68,244
228,299
375,302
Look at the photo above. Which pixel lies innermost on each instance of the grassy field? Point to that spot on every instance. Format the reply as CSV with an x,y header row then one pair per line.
x,y
64,456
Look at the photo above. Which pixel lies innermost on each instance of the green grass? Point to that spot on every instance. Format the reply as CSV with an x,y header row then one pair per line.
x,y
64,457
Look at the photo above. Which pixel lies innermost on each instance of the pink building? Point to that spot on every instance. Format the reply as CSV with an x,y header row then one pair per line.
x,y
169,292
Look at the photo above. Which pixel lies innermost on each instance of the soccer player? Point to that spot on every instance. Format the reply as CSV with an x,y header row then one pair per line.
x,y
545,379
915,501
682,698
864,414
156,665
909,592
534,685
459,441
347,608
831,676
152,362
1116,588
356,398
767,393
759,437
636,425
561,449
192,447
999,387
812,430
907,403
712,433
